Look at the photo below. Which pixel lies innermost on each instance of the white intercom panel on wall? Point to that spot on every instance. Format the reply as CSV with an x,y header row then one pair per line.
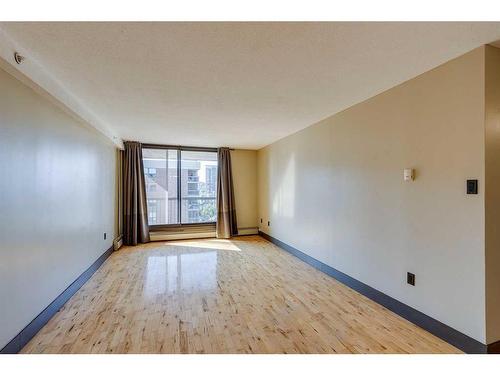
x,y
409,174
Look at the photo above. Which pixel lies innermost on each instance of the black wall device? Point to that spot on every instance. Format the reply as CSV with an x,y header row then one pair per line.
x,y
471,186
410,278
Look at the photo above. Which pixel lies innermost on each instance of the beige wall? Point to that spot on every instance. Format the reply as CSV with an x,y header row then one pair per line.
x,y
244,166
492,193
335,191
57,199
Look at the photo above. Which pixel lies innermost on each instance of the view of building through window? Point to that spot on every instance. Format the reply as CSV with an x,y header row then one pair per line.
x,y
181,186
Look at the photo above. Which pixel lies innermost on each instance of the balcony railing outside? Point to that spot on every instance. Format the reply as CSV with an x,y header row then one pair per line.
x,y
193,210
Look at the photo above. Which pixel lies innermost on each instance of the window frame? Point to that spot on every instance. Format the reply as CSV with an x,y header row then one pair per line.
x,y
179,182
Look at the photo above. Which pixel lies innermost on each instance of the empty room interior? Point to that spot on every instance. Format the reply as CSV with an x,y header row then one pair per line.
x,y
249,187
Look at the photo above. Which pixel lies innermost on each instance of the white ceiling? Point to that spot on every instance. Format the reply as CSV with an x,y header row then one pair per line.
x,y
243,85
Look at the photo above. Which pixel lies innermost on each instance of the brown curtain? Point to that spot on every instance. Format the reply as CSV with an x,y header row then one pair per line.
x,y
135,219
226,210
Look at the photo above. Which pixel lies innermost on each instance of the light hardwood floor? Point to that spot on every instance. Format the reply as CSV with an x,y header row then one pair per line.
x,y
216,296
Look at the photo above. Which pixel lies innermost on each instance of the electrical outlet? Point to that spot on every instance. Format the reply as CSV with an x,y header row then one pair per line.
x,y
410,278
268,223
104,235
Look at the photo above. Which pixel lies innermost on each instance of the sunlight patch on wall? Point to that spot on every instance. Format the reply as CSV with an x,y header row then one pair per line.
x,y
283,204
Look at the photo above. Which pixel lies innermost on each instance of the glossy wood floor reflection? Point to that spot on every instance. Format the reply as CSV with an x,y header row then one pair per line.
x,y
217,296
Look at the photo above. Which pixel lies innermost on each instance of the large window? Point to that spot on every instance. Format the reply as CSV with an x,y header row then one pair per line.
x,y
181,185
160,172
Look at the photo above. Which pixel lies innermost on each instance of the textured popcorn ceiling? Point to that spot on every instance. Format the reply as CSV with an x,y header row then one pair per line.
x,y
242,85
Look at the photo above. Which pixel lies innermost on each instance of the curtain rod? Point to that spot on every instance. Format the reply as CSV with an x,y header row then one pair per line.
x,y
178,147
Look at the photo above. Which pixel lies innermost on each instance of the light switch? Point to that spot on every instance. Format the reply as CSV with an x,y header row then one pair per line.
x,y
471,186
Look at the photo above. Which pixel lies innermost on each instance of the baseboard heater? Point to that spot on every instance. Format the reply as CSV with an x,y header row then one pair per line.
x,y
182,233
194,232
246,231
163,236
117,243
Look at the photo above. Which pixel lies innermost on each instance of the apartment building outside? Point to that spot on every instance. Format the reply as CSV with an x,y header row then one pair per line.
x,y
197,186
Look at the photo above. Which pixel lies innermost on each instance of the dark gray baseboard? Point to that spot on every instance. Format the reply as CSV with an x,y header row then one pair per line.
x,y
27,333
441,330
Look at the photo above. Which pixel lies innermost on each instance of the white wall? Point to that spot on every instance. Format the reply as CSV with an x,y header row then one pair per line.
x,y
244,167
57,197
335,191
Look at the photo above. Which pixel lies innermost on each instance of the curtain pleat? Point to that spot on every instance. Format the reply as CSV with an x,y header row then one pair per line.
x,y
226,209
135,214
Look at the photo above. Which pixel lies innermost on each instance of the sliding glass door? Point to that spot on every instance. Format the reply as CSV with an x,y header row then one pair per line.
x,y
181,185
